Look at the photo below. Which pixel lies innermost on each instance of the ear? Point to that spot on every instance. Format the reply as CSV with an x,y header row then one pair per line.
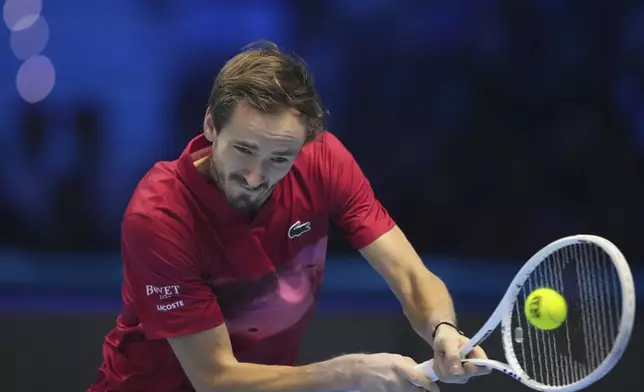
x,y
209,127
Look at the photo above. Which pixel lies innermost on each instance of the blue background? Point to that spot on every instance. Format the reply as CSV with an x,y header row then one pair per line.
x,y
488,128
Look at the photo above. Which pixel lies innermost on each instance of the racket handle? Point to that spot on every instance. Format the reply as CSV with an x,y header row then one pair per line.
x,y
427,368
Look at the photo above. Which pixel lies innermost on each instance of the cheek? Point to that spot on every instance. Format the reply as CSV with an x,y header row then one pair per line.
x,y
227,162
276,173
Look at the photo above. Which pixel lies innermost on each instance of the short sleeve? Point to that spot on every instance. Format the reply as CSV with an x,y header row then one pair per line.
x,y
353,204
163,279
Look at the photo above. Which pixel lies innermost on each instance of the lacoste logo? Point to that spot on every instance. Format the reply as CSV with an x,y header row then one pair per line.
x,y
298,228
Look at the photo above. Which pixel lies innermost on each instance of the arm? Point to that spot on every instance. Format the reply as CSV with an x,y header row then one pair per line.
x,y
425,301
208,360
370,229
423,296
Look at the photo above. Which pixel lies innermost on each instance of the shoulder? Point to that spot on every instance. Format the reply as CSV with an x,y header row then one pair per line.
x,y
157,242
157,227
154,189
160,199
325,143
325,154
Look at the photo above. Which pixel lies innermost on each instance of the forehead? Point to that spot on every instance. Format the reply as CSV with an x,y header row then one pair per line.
x,y
254,126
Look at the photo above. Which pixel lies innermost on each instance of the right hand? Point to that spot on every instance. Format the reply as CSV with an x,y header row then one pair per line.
x,y
389,373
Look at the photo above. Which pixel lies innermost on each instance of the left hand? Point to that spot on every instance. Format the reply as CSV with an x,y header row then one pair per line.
x,y
447,358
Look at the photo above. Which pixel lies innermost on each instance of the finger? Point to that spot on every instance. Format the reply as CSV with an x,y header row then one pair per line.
x,y
479,370
439,367
471,369
478,353
462,379
445,377
452,358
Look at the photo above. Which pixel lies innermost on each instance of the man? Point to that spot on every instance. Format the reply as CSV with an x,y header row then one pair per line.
x,y
224,251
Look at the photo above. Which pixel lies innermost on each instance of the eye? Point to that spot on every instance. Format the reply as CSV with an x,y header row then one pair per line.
x,y
279,160
243,150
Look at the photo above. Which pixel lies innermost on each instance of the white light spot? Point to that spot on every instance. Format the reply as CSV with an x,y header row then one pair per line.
x,y
25,23
21,14
30,42
36,79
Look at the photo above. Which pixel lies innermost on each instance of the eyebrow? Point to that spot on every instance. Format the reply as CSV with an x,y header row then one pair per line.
x,y
287,152
250,146
255,147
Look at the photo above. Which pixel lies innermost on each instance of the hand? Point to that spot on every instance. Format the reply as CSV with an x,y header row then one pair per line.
x,y
447,358
388,373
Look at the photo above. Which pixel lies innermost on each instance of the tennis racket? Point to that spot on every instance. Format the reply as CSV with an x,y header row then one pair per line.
x,y
596,281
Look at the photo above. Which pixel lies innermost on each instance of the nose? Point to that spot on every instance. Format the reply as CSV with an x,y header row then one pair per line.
x,y
254,176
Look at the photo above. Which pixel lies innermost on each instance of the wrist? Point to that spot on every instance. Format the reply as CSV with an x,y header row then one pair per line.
x,y
445,325
348,371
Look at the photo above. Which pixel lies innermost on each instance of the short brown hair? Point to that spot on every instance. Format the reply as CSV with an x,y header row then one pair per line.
x,y
269,80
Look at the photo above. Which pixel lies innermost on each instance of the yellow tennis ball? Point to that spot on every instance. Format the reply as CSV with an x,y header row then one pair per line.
x,y
546,309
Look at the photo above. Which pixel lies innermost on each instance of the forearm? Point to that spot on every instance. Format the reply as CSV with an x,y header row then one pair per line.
x,y
423,296
332,375
426,303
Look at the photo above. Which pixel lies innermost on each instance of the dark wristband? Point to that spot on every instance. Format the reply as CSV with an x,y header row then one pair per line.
x,y
445,323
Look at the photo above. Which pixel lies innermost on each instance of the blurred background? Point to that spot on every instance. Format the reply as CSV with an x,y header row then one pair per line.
x,y
488,128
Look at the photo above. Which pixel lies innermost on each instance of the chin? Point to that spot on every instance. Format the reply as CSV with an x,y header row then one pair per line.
x,y
242,203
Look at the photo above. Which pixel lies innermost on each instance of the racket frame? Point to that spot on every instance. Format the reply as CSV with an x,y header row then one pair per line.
x,y
503,314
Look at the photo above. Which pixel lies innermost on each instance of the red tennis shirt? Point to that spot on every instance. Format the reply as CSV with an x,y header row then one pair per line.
x,y
191,262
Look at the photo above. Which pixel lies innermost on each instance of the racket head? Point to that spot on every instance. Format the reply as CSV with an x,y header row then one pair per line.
x,y
592,311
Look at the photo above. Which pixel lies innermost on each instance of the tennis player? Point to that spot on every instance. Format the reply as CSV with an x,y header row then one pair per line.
x,y
224,251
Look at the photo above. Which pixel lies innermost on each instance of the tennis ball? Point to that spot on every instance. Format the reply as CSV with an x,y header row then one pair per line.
x,y
546,309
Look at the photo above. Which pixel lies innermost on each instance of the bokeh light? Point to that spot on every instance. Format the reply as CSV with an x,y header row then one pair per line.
x,y
21,14
30,42
36,79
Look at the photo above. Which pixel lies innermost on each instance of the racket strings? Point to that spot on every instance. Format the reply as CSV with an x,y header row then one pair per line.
x,y
584,274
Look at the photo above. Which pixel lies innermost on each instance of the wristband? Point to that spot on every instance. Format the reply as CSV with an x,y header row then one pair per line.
x,y
446,323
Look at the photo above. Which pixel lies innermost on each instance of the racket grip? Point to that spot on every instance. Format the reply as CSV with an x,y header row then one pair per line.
x,y
427,368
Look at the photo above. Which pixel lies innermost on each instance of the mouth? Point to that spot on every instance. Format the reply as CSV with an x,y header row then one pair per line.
x,y
252,189
249,188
